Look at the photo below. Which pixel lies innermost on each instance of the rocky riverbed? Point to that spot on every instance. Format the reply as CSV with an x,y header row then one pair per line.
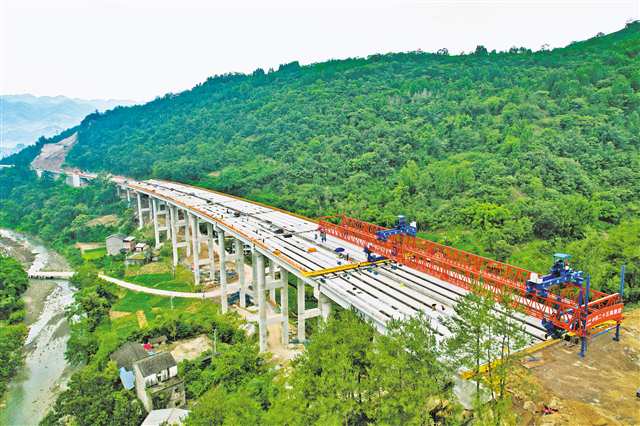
x,y
45,372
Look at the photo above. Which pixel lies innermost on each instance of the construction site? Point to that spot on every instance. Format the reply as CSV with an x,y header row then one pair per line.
x,y
581,363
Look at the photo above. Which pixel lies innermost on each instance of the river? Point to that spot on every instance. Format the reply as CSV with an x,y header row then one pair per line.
x,y
45,373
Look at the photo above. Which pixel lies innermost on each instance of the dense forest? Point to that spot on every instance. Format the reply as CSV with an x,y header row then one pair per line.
x,y
57,213
512,154
13,283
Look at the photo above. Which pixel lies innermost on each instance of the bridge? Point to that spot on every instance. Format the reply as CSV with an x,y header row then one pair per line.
x,y
414,275
51,275
197,221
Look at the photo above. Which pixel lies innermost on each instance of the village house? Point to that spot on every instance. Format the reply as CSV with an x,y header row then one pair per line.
x,y
157,382
140,247
130,243
115,243
124,357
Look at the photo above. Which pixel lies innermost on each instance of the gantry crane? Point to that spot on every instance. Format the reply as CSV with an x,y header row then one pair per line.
x,y
562,299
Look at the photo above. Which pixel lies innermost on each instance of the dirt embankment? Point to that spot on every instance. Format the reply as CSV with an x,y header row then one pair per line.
x,y
597,390
52,155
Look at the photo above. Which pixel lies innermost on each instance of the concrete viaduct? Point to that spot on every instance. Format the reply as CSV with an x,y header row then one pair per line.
x,y
203,225
208,229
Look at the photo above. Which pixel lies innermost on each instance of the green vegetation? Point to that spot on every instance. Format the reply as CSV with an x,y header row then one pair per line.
x,y
95,335
58,213
13,282
94,254
163,281
513,155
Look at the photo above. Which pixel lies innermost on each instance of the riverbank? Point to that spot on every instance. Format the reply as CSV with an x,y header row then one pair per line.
x,y
45,371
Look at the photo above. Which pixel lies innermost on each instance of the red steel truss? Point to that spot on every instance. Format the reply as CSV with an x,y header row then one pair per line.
x,y
561,307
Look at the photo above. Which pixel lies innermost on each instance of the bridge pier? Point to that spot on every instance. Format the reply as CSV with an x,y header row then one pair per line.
x,y
142,210
324,303
223,271
284,305
173,220
272,275
156,225
195,242
159,212
262,304
239,248
185,228
301,308
211,252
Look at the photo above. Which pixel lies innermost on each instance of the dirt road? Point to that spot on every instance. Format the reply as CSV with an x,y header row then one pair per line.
x,y
597,390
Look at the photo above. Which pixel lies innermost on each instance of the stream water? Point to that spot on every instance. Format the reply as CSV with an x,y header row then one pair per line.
x,y
45,372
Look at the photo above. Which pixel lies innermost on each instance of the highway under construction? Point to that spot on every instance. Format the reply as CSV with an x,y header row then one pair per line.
x,y
381,273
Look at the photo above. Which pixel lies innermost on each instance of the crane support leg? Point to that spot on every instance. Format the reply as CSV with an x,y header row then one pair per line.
x,y
617,336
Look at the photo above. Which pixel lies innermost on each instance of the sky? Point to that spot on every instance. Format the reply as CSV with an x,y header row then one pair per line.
x,y
140,49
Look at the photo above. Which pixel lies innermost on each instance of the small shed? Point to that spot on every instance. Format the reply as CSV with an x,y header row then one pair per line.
x,y
141,247
114,243
127,378
129,243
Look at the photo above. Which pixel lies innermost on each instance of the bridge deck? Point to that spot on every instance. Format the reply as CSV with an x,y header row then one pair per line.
x,y
379,292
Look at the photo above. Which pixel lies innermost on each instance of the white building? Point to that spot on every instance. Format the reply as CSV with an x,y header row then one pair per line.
x,y
159,374
115,243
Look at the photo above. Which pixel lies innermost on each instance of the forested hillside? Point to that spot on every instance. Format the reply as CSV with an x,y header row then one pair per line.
x,y
509,154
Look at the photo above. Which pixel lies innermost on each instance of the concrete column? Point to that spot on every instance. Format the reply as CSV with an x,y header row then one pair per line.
x,y
193,221
254,271
156,226
324,303
187,237
223,271
301,308
284,305
262,304
128,197
140,218
210,252
173,219
272,275
240,270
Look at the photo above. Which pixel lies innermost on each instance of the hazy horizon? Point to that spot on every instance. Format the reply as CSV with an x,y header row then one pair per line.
x,y
112,49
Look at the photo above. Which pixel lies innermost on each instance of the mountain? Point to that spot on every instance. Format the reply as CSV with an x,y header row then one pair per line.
x,y
26,117
508,154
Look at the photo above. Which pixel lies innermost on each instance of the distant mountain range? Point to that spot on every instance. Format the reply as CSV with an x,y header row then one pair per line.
x,y
24,118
